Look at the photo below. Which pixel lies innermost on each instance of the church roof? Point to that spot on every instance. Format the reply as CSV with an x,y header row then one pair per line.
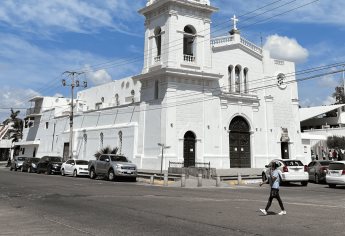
x,y
311,112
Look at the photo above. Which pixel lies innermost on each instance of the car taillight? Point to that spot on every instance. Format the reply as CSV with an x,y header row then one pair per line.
x,y
305,168
343,173
285,169
323,169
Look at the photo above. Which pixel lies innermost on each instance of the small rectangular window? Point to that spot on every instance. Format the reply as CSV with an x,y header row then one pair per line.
x,y
47,125
23,151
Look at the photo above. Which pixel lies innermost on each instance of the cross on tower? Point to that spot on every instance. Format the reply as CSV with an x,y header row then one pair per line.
x,y
234,21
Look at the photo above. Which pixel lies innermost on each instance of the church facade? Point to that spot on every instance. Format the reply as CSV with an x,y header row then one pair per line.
x,y
220,100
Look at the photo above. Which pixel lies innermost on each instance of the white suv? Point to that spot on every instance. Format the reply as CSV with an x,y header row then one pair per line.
x,y
336,174
292,171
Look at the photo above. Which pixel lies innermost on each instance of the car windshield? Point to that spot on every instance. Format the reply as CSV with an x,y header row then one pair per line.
x,y
81,162
55,159
21,158
34,160
336,166
324,163
119,158
293,163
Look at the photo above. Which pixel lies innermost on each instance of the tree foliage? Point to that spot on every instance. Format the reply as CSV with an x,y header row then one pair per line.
x,y
339,95
106,150
16,129
336,142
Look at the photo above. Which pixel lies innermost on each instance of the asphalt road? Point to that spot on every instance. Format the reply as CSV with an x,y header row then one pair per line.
x,y
32,204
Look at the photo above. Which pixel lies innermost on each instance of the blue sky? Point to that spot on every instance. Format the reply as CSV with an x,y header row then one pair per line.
x,y
41,39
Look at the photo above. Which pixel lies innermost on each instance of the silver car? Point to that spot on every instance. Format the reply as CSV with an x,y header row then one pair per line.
x,y
336,174
17,162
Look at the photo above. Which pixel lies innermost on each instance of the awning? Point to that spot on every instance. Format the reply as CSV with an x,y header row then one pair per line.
x,y
313,136
311,112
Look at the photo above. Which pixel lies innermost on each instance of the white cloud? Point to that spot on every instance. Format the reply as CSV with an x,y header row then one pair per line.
x,y
328,81
97,77
329,101
284,48
44,17
15,98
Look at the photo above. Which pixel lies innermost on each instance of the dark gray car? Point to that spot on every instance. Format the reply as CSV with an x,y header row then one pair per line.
x,y
317,170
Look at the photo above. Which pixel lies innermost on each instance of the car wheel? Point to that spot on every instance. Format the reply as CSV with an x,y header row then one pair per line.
x,y
263,177
29,169
22,169
49,171
304,183
15,168
11,168
133,179
317,179
111,175
75,173
63,172
92,174
331,185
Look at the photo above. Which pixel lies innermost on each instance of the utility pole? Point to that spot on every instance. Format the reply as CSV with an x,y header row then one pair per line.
x,y
74,83
163,147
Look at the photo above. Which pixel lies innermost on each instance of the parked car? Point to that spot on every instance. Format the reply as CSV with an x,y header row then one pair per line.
x,y
336,174
112,166
30,164
75,167
49,165
317,170
17,162
292,171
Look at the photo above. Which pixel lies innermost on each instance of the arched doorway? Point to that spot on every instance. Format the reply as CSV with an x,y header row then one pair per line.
x,y
189,149
239,142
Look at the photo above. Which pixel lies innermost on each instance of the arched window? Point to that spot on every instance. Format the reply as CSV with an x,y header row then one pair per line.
x,y
156,89
101,138
237,79
158,38
245,79
188,43
230,69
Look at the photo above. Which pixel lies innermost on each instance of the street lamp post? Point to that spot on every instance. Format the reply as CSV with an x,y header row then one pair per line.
x,y
74,83
163,147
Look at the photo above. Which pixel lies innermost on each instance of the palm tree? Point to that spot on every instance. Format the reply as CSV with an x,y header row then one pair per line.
x,y
106,150
15,132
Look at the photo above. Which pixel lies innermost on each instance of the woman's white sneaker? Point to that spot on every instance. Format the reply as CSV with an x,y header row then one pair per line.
x,y
282,213
263,211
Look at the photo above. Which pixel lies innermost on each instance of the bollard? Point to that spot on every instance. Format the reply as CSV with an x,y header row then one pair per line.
x,y
239,178
183,180
199,180
217,181
165,179
151,179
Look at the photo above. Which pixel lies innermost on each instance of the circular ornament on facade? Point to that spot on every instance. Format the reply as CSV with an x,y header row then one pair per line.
x,y
281,81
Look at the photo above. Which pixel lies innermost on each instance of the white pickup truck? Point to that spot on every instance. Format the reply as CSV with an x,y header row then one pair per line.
x,y
112,166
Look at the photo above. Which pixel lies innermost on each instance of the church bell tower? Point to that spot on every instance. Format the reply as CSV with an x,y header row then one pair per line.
x,y
177,34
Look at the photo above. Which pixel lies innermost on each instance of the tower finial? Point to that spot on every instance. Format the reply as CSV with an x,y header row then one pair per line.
x,y
234,26
234,21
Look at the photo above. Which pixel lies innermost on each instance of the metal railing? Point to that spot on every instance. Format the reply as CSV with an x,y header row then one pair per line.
x,y
189,58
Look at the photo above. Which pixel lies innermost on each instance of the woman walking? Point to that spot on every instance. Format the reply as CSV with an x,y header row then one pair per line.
x,y
274,180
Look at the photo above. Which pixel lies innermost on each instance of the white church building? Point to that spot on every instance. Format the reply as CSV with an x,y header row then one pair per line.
x,y
220,100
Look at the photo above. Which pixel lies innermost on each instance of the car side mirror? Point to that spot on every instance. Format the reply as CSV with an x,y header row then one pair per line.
x,y
107,160
266,166
72,164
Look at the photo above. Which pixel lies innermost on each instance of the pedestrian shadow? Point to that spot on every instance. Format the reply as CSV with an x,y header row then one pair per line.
x,y
269,213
